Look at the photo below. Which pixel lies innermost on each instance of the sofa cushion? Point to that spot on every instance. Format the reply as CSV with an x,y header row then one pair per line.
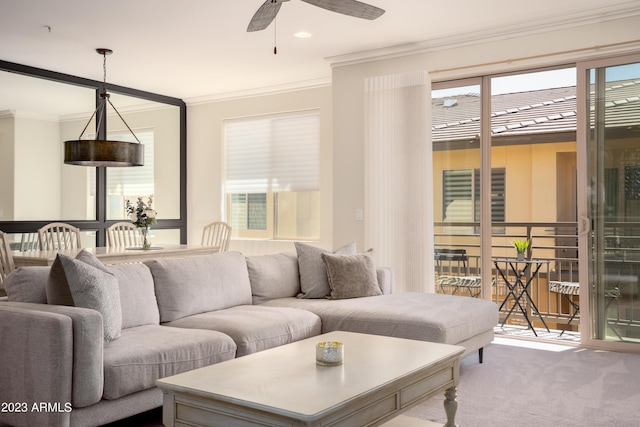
x,y
137,294
197,284
57,286
27,284
351,276
92,287
273,276
147,353
255,328
313,273
447,319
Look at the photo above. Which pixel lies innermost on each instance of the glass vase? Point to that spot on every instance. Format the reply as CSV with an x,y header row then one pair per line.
x,y
146,243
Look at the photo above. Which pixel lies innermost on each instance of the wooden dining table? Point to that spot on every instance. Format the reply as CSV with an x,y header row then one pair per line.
x,y
113,255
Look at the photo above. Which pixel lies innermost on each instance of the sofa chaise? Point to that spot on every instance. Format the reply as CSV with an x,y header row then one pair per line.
x,y
84,366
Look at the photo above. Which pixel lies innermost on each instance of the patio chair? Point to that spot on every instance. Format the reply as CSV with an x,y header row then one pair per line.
x,y
123,234
452,271
6,261
59,235
567,290
217,234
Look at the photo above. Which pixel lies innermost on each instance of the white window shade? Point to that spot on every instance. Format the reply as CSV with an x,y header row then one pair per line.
x,y
273,153
136,181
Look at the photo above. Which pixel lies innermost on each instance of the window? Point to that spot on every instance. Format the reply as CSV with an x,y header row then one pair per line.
x,y
130,183
461,195
272,175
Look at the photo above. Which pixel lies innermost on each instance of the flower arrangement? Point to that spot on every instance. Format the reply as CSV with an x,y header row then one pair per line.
x,y
142,215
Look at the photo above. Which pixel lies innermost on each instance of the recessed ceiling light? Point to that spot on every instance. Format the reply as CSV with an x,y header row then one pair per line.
x,y
302,35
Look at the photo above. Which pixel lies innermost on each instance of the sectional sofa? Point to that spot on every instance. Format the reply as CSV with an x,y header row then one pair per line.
x,y
98,361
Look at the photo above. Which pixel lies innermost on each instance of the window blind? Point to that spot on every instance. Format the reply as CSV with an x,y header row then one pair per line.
x,y
273,153
136,181
461,204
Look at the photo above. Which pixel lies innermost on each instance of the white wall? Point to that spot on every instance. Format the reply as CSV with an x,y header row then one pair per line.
x,y
6,165
205,159
37,168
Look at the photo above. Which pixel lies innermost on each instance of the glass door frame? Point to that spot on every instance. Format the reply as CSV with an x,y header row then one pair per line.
x,y
585,220
483,84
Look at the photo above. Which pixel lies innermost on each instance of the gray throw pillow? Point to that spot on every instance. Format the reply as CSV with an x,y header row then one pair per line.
x,y
313,272
351,276
57,288
94,288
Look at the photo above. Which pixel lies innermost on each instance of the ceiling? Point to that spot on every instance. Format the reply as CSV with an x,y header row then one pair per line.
x,y
197,49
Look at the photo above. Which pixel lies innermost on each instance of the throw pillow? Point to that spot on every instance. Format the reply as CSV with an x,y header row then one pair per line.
x,y
351,276
94,288
273,276
313,272
57,287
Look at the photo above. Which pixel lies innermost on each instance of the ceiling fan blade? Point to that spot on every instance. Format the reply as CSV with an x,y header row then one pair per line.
x,y
349,7
264,15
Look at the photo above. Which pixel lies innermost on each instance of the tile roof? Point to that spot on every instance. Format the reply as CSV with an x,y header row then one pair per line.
x,y
532,112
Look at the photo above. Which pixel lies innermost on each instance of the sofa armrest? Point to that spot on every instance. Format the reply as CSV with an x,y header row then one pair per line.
x,y
386,280
83,352
36,361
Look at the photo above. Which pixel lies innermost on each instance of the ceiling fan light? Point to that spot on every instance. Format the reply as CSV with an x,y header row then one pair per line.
x,y
97,153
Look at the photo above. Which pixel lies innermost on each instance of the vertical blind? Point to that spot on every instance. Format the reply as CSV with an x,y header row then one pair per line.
x,y
398,171
279,152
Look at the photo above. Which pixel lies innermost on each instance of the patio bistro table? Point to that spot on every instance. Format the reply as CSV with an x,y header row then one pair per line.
x,y
519,287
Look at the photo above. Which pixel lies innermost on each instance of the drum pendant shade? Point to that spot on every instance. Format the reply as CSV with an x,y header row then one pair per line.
x,y
101,152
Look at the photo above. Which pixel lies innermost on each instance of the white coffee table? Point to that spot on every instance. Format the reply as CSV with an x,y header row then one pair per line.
x,y
381,377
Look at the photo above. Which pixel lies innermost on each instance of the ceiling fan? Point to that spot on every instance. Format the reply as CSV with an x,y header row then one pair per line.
x,y
269,9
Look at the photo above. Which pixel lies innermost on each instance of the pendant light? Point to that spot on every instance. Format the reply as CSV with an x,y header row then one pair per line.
x,y
102,152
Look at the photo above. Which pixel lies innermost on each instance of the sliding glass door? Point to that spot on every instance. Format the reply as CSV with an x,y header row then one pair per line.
x,y
456,131
611,203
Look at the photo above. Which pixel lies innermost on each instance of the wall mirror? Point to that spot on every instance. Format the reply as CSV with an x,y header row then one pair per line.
x,y
41,109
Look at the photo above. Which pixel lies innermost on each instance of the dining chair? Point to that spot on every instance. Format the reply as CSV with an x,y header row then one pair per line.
x,y
29,242
123,234
59,235
6,261
452,271
217,234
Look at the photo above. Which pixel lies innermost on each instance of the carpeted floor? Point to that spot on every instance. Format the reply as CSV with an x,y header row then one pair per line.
x,y
529,384
544,386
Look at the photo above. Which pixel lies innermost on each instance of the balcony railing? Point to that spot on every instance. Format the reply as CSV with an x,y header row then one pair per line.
x,y
556,244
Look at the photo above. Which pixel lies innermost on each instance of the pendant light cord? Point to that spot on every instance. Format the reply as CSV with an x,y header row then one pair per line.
x,y
105,97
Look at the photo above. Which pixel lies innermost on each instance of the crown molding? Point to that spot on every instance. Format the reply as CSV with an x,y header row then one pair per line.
x,y
19,114
267,90
521,29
